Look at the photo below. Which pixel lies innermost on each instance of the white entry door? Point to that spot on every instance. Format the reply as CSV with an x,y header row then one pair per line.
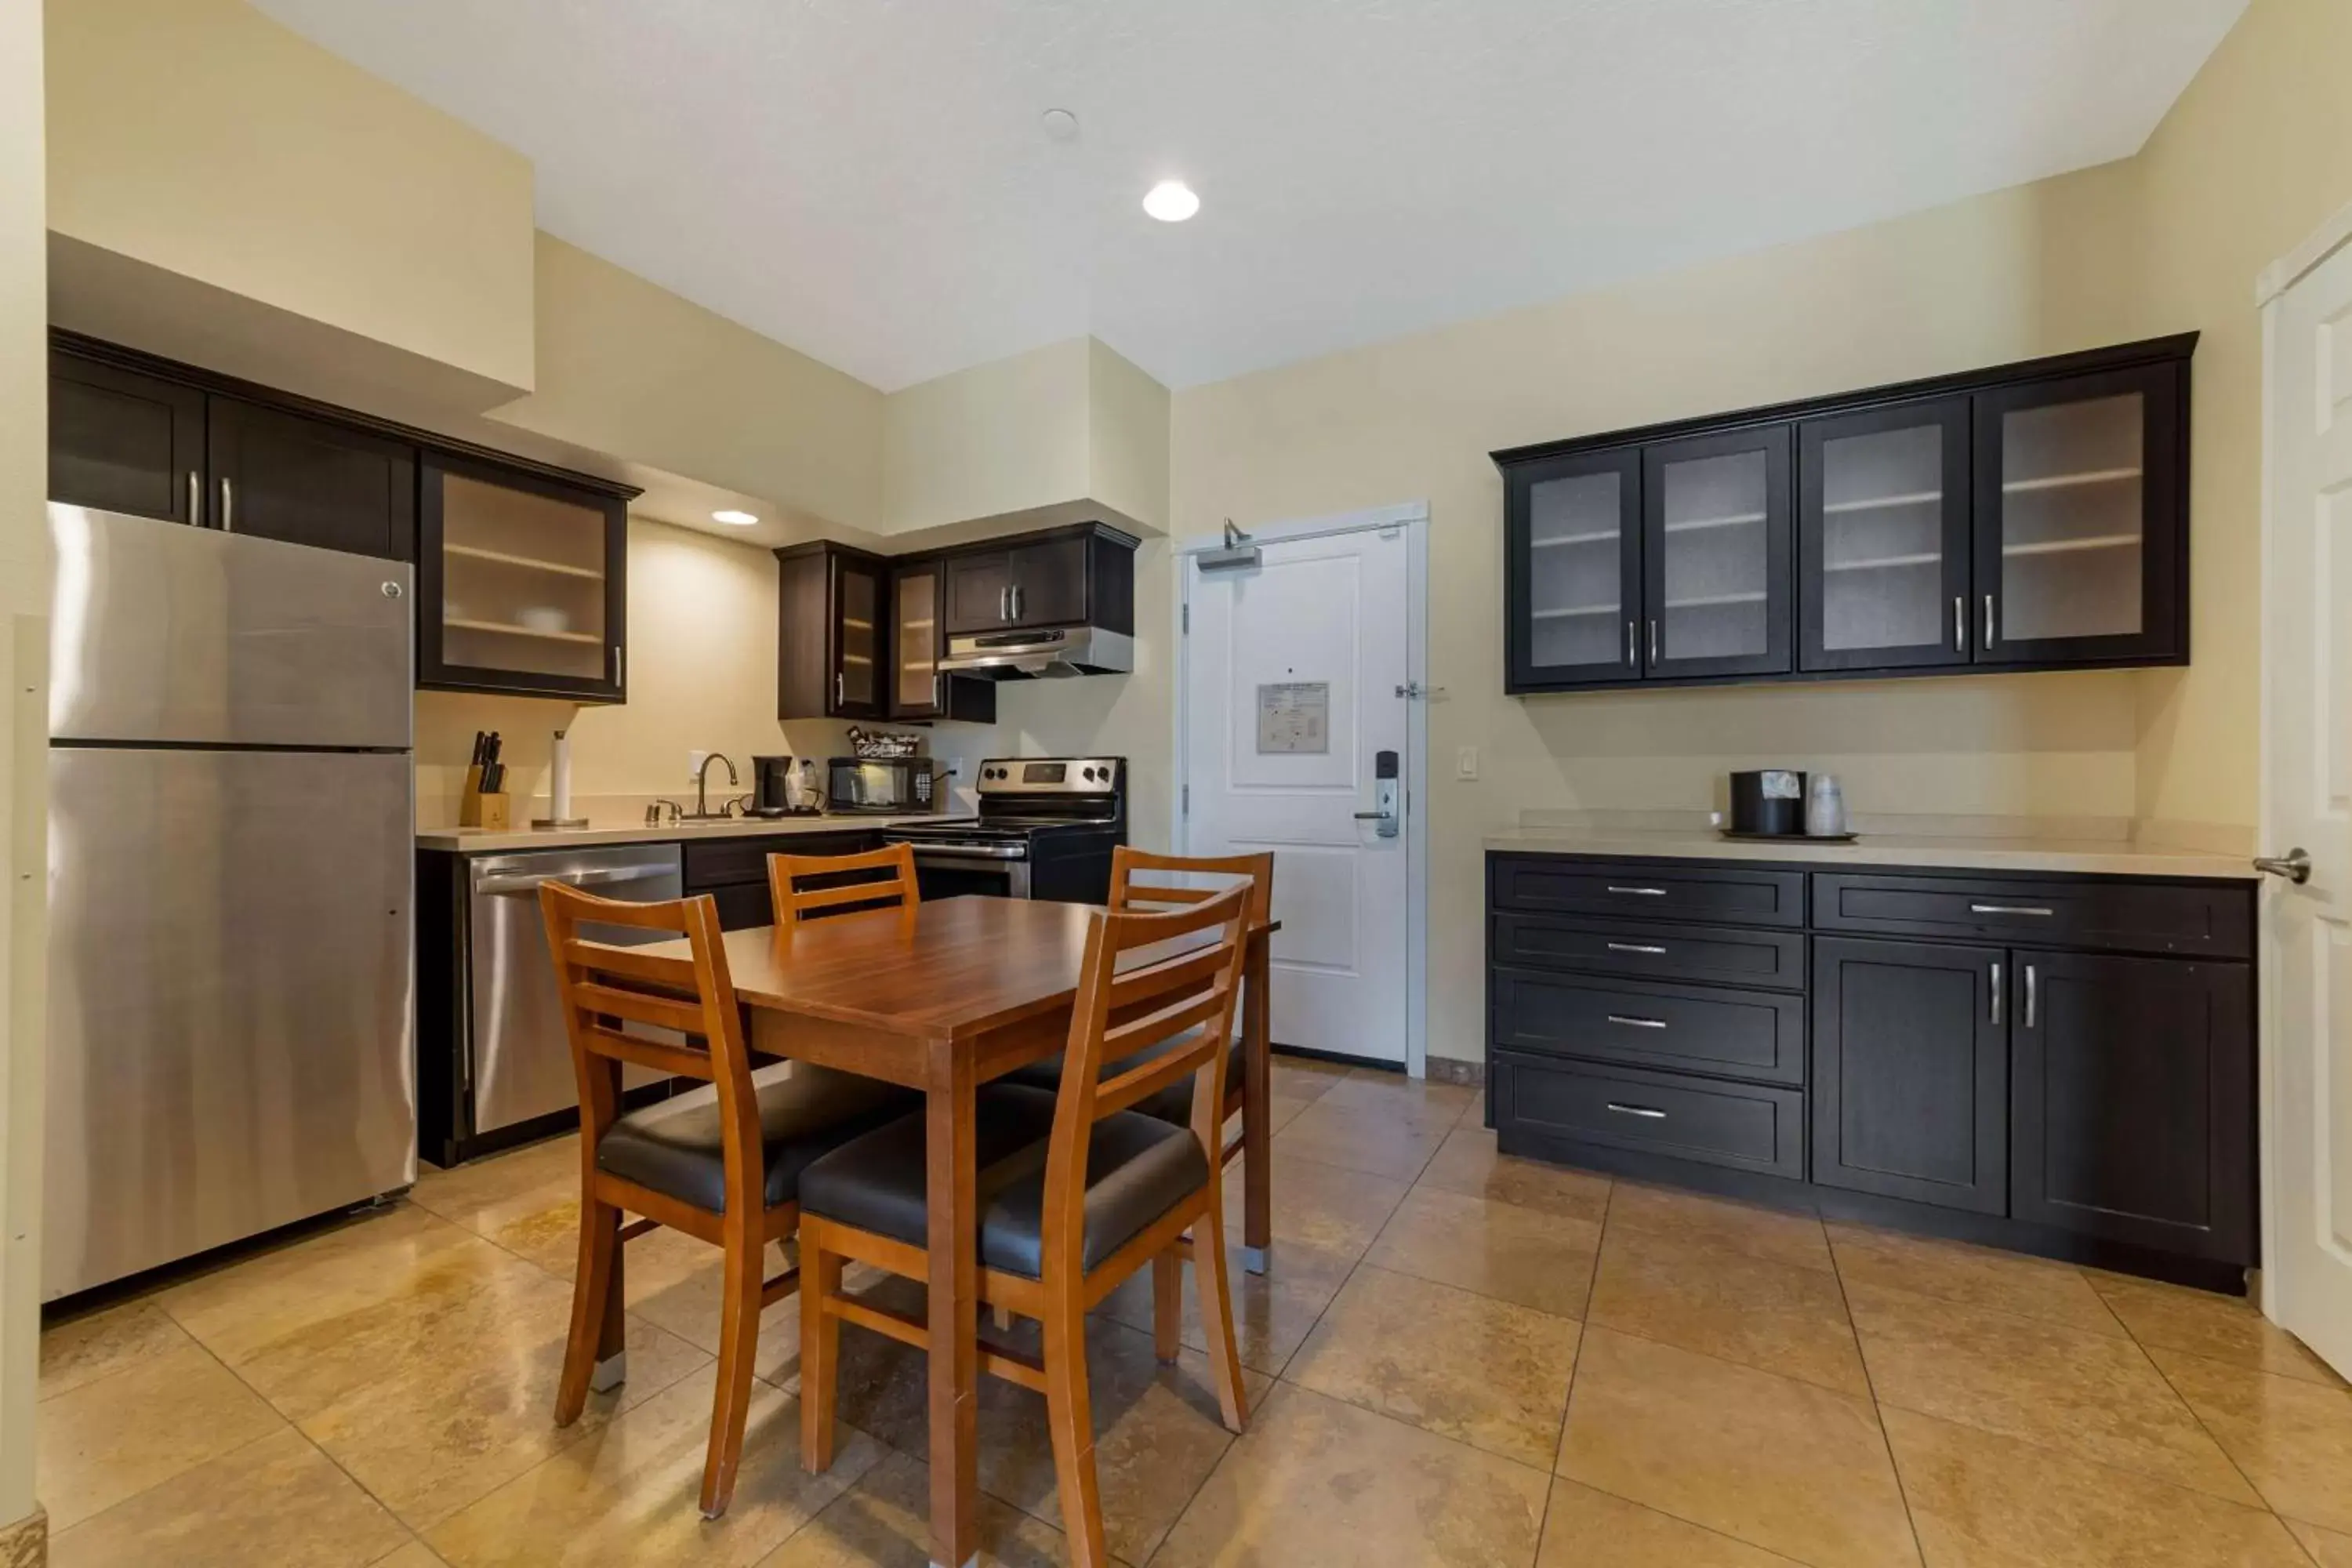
x,y
1294,674
2307,806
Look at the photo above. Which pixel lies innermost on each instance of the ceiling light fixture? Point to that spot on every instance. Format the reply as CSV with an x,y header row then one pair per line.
x,y
1171,201
734,519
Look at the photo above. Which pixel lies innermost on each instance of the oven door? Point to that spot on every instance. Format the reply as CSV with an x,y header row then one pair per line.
x,y
990,870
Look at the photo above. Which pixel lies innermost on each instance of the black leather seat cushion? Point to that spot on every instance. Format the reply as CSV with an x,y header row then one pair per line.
x,y
1137,1168
1173,1103
673,1146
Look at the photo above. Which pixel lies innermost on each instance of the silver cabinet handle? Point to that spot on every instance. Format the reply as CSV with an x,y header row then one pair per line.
x,y
1653,642
228,507
2010,909
1017,597
1645,892
837,689
1633,1023
196,497
1630,656
1989,625
2033,996
1959,624
620,673
1996,991
1637,947
938,689
1647,1112
2295,865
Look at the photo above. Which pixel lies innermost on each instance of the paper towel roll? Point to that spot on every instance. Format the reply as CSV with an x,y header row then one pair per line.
x,y
558,778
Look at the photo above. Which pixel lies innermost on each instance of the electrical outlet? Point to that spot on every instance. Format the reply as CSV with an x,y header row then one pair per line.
x,y
1465,763
954,766
694,761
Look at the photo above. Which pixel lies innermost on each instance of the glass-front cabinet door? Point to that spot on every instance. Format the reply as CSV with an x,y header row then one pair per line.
x,y
858,640
2079,550
1883,538
1715,551
915,682
519,583
1573,529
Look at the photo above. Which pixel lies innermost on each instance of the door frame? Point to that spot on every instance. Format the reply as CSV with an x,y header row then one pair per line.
x,y
1413,518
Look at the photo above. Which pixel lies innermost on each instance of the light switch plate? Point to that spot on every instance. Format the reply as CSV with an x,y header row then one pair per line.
x,y
694,765
1465,763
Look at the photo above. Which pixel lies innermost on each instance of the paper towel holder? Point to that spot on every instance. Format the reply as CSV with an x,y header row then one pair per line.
x,y
559,788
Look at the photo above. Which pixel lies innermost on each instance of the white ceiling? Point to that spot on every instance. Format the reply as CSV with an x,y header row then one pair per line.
x,y
869,180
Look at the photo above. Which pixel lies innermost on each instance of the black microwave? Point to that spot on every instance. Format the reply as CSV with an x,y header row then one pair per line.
x,y
882,784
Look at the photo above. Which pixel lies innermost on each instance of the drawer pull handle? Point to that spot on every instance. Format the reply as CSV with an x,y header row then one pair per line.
x,y
1647,1112
2010,910
1633,1023
1637,947
1644,892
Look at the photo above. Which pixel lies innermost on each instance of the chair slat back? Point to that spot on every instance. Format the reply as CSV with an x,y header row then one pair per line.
x,y
892,883
1177,1006
1127,891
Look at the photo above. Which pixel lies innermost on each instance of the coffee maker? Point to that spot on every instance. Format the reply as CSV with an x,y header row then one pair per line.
x,y
779,789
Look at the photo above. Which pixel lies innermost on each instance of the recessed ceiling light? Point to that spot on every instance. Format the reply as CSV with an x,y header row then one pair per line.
x,y
1171,201
1060,124
734,519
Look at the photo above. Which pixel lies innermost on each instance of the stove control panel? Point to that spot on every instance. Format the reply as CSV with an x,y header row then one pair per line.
x,y
1052,775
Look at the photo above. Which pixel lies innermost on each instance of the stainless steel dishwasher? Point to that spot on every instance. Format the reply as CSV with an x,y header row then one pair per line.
x,y
518,1061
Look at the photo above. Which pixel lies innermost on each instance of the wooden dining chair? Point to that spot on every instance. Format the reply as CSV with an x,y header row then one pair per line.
x,y
1129,893
721,1163
1075,1191
878,879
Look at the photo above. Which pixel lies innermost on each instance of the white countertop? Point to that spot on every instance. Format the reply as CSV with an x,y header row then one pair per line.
x,y
2090,858
484,841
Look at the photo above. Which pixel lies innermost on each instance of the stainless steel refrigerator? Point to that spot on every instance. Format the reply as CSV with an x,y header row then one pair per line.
x,y
231,859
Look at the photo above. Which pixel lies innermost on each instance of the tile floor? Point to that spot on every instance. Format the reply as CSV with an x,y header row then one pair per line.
x,y
1459,1360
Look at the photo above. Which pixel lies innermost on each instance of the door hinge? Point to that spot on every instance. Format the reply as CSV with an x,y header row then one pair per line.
x,y
1188,800
1188,620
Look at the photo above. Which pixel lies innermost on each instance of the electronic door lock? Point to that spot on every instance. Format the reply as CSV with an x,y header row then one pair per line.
x,y
1387,804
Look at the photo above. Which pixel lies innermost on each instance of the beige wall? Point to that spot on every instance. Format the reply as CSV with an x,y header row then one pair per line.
x,y
201,139
24,765
2254,156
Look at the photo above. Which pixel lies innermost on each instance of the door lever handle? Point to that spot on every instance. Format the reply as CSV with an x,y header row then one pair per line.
x,y
2295,865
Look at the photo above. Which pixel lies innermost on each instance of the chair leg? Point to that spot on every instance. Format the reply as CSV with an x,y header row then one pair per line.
x,y
1069,1416
1168,1304
820,1354
738,1343
1217,1307
593,1345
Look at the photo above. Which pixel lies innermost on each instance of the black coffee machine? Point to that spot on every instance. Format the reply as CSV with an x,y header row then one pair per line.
x,y
776,789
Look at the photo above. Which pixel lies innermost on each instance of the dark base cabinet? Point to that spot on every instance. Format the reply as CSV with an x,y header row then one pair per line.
x,y
2074,1076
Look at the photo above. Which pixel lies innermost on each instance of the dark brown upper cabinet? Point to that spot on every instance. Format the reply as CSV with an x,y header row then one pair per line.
x,y
833,637
522,583
1883,538
121,441
1082,575
2032,516
919,688
280,475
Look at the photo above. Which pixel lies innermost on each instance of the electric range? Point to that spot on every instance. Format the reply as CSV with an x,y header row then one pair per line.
x,y
1045,830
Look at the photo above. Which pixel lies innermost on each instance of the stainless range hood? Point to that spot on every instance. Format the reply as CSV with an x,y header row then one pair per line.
x,y
1055,651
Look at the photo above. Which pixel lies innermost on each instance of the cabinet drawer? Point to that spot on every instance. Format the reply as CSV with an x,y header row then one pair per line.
x,y
1755,1034
2124,916
1743,1126
1730,895
1642,950
715,865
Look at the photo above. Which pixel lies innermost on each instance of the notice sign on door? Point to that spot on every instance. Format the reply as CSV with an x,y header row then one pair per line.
x,y
1294,716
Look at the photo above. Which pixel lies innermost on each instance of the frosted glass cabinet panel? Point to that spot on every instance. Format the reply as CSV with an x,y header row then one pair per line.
x,y
1576,580
1716,554
1883,538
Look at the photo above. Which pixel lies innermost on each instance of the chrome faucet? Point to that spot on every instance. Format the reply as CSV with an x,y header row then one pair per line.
x,y
702,812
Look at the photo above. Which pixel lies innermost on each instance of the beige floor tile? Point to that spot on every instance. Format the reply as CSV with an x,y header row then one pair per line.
x,y
2329,1548
1769,1234
465,1404
1978,1501
1282,1110
1490,1373
885,1521
2223,1328
276,1501
415,1554
1318,1481
1272,1312
1372,1088
1468,1162
462,1193
1303,1077
2293,1438
628,1493
1328,1207
85,1348
1586,1529
1537,1259
1784,1465
1392,1140
2090,1394
1158,1431
1972,1275
158,1417
1775,1316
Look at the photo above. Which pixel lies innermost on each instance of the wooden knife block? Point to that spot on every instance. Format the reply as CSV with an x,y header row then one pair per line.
x,y
476,809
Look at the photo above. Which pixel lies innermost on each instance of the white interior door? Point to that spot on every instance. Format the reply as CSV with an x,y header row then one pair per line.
x,y
2307,806
1292,675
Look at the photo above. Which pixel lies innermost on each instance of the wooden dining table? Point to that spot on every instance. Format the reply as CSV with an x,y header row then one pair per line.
x,y
942,997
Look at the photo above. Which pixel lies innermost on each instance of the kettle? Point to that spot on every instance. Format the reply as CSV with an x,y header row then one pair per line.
x,y
778,788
